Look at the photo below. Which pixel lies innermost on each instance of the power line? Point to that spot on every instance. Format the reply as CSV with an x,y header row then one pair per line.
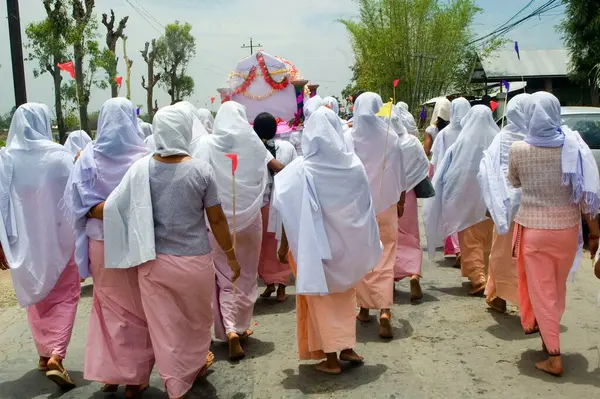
x,y
145,17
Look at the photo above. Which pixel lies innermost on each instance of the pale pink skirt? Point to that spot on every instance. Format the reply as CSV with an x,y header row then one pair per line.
x,y
270,270
544,260
502,279
118,348
233,311
409,255
176,294
376,289
325,324
51,320
451,246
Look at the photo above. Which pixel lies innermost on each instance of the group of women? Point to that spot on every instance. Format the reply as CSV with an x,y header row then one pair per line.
x,y
176,221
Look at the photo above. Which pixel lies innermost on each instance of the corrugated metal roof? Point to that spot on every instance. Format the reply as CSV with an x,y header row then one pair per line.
x,y
533,63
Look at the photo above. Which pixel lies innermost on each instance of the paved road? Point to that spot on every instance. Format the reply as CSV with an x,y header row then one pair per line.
x,y
449,346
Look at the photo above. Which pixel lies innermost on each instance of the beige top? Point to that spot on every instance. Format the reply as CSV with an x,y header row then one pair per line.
x,y
545,202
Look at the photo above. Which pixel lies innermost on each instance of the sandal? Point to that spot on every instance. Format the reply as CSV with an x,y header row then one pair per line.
x,y
58,375
210,359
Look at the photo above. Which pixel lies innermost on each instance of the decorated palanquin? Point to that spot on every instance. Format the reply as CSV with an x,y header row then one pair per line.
x,y
264,83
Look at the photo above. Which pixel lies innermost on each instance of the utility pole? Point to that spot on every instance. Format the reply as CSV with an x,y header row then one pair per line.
x,y
16,51
251,46
418,82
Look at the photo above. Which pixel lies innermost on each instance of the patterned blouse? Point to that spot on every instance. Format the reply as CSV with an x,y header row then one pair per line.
x,y
545,202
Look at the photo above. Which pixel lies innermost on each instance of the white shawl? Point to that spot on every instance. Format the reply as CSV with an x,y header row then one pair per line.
x,y
416,163
76,141
207,119
327,211
458,203
369,135
35,233
128,217
449,135
408,119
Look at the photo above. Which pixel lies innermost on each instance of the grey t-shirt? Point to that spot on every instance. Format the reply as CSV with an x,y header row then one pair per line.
x,y
180,192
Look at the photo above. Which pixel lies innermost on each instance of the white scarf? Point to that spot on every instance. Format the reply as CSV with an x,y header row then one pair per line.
x,y
408,119
128,216
327,211
146,128
76,141
207,119
449,135
232,134
369,134
35,233
458,203
416,163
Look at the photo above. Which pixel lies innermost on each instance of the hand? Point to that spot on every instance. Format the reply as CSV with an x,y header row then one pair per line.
x,y
593,245
3,262
282,255
400,209
235,268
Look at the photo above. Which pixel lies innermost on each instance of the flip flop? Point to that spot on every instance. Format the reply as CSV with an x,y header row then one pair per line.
x,y
351,359
210,359
322,367
61,378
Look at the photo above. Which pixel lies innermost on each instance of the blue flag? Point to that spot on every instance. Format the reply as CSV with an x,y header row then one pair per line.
x,y
517,50
137,111
506,85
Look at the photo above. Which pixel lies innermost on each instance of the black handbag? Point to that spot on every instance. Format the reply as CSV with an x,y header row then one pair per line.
x,y
424,189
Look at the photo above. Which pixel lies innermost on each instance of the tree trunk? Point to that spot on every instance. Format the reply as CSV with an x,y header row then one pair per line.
x,y
60,120
114,89
81,97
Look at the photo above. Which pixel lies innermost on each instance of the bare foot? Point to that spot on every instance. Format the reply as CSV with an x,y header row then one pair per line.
x,y
385,325
248,333
109,388
325,368
281,296
553,366
43,363
416,293
210,358
270,290
498,304
57,374
348,355
235,348
363,316
458,263
135,391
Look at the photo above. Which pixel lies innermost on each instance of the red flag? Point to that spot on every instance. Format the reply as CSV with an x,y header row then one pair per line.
x,y
493,105
396,82
234,162
119,80
67,67
212,100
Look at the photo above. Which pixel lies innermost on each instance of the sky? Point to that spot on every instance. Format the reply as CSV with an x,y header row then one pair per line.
x,y
305,32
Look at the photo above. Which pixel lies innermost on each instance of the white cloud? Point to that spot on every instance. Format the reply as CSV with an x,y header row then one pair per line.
x,y
305,32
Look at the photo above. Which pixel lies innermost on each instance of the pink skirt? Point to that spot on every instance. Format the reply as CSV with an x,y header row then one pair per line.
x,y
451,246
270,270
233,310
51,320
118,348
409,255
177,293
376,289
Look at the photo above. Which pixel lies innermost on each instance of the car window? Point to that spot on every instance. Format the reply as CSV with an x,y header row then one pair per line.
x,y
588,127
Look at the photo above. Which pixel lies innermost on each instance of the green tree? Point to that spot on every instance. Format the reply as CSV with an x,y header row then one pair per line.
x,y
422,42
581,33
175,49
47,45
109,58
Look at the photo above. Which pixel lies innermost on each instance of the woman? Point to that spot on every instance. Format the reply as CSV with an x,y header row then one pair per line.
x,y
439,120
232,134
502,200
76,141
310,107
444,140
409,255
176,271
270,270
331,229
379,149
118,348
207,119
458,205
146,128
558,178
408,119
36,236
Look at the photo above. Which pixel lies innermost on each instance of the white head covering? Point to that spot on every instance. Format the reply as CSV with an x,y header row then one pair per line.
x,y
76,141
100,168
311,106
458,203
36,237
408,119
442,110
416,164
501,199
146,128
129,207
324,201
369,134
207,119
332,104
232,134
449,134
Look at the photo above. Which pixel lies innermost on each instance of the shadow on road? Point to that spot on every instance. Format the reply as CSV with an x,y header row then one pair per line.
x,y
462,290
369,332
150,393
402,297
509,327
34,383
310,381
266,306
576,369
252,347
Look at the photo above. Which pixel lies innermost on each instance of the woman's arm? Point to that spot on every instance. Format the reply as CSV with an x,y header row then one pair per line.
x,y
275,166
400,205
594,237
220,229
3,262
284,248
428,144
97,211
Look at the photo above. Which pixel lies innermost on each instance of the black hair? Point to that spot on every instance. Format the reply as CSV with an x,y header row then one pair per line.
x,y
441,123
265,125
